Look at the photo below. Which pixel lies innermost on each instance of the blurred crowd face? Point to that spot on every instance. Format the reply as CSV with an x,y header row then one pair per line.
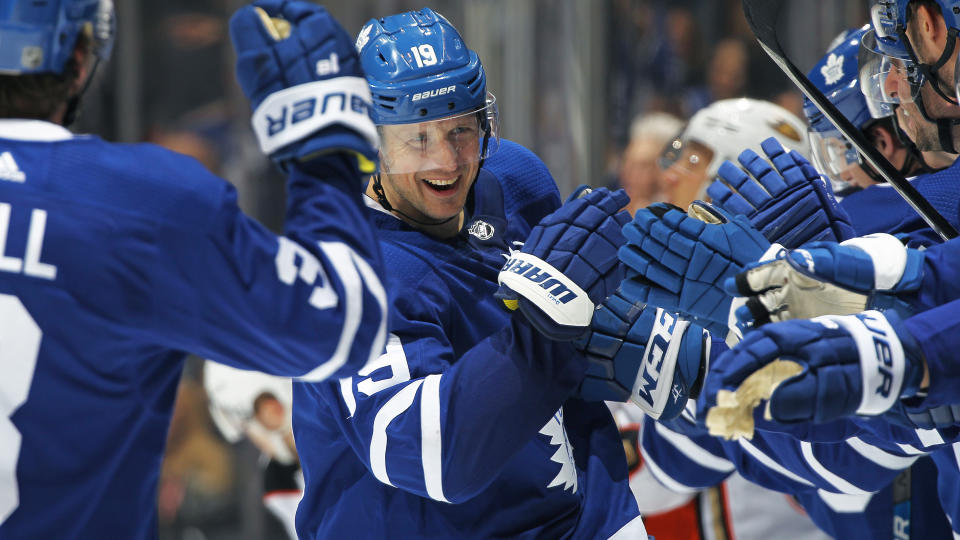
x,y
684,179
727,73
640,175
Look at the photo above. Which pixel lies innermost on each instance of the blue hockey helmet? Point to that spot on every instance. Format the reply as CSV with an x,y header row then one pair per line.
x,y
430,86
837,76
39,37
890,19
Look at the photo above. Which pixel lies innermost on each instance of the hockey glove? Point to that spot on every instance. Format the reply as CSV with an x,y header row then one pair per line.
x,y
679,262
824,278
568,264
302,75
812,370
644,354
789,202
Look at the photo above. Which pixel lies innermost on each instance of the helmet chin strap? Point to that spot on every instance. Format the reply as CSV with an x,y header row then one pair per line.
x,y
73,104
382,199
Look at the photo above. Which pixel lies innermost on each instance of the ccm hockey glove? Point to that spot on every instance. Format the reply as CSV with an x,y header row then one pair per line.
x,y
644,354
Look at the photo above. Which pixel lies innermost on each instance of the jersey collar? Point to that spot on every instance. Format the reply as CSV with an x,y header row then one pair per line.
x,y
33,130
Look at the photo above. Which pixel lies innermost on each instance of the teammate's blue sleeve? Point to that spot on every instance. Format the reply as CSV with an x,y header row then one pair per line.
x,y
441,423
941,275
937,332
308,304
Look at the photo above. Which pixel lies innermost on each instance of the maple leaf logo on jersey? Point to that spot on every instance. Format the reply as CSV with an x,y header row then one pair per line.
x,y
833,71
564,454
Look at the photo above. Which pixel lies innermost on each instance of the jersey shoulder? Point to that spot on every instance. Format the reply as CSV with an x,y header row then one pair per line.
x,y
525,178
143,179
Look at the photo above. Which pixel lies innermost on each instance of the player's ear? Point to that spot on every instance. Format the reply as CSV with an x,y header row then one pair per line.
x,y
930,30
884,141
82,65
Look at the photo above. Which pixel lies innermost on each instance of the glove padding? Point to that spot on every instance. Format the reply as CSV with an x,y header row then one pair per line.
x,y
644,354
568,264
824,278
302,75
679,262
835,366
790,203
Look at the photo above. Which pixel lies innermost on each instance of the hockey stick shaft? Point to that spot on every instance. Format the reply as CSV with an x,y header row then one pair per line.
x,y
762,17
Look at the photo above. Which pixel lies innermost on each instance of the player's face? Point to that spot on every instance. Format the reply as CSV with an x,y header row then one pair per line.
x,y
684,179
922,132
430,166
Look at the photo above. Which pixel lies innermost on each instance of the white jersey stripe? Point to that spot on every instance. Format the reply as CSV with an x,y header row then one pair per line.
x,y
929,437
692,451
881,457
346,388
844,502
432,440
663,477
376,288
340,256
396,405
908,449
771,464
842,485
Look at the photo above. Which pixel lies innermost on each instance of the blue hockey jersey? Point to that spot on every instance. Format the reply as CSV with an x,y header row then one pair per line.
x,y
857,486
463,428
879,208
114,261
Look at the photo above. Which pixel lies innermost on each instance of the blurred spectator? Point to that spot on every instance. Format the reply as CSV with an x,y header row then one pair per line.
x,y
726,76
640,175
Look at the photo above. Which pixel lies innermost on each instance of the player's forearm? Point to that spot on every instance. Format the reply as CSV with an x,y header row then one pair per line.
x,y
937,331
940,284
325,202
499,395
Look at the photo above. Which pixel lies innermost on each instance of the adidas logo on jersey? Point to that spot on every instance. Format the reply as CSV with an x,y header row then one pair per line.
x,y
9,169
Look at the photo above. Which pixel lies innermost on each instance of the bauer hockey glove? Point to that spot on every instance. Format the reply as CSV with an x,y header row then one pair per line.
x,y
815,370
568,264
301,73
679,262
825,278
788,202
644,354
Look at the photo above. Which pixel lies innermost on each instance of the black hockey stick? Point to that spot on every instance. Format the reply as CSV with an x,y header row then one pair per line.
x,y
762,17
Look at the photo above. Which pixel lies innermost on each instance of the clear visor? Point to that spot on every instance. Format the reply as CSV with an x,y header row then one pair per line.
x,y
685,156
445,144
885,79
831,153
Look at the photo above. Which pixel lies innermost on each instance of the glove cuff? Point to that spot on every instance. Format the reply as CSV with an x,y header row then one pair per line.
x,y
883,366
293,114
546,288
895,267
